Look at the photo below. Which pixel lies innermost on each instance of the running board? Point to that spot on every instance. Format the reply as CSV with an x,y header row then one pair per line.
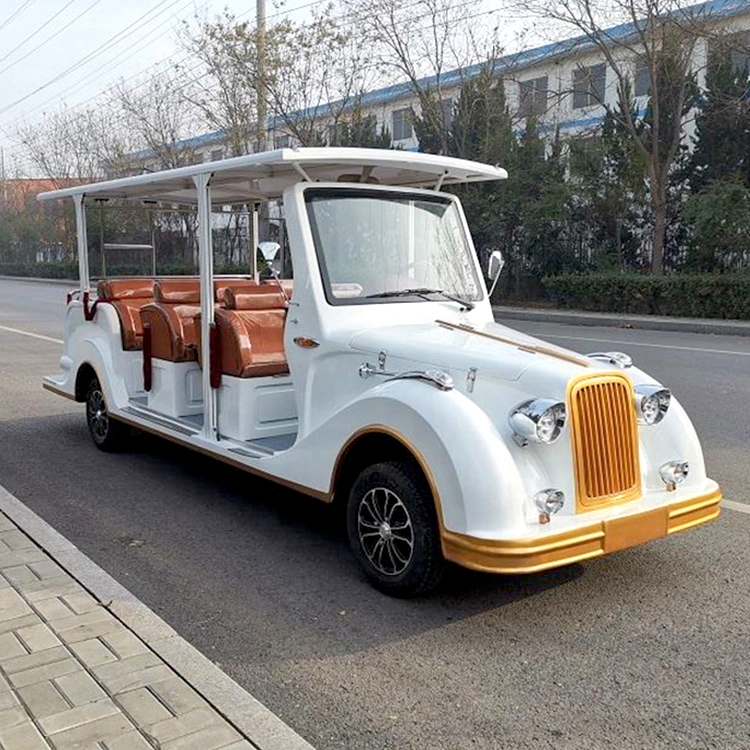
x,y
251,453
163,421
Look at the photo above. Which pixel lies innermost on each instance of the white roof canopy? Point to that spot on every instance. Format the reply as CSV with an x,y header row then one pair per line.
x,y
266,175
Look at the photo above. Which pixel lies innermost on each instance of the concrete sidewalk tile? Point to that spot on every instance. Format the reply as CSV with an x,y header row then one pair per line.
x,y
47,569
47,672
125,644
3,684
10,646
5,523
82,603
21,557
12,717
20,574
142,678
210,738
6,626
178,726
80,688
143,707
126,666
16,539
86,632
99,730
129,741
60,625
77,716
178,695
48,588
43,699
52,609
92,652
4,583
27,661
241,745
23,737
7,700
38,638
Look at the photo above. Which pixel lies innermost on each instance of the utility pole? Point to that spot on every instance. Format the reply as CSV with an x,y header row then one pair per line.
x,y
261,82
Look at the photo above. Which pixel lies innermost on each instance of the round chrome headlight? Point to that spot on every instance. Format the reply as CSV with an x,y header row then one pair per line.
x,y
651,403
540,420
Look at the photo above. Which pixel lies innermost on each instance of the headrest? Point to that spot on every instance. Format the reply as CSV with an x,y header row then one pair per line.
x,y
115,289
174,291
221,285
261,298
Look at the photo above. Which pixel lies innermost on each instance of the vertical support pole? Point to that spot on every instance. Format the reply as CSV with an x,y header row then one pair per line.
x,y
210,429
255,240
101,240
261,82
83,243
153,241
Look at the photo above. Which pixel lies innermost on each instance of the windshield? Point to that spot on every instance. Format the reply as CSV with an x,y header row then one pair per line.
x,y
377,246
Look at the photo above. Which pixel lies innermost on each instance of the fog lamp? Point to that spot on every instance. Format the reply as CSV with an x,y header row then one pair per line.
x,y
651,403
548,502
674,473
540,420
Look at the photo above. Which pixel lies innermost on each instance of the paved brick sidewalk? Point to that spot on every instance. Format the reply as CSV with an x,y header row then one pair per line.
x,y
73,676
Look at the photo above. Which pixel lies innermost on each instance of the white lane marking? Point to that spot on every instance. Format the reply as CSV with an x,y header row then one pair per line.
x,y
638,343
732,505
33,335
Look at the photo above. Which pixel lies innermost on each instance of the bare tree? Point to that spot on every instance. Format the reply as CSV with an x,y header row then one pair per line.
x,y
657,41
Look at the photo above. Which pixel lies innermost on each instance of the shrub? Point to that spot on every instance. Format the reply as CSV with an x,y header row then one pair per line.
x,y
688,295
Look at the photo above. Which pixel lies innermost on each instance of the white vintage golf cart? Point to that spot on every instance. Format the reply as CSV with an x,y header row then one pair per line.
x,y
379,378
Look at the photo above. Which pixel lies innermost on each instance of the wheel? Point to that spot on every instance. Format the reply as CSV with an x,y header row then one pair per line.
x,y
108,434
393,530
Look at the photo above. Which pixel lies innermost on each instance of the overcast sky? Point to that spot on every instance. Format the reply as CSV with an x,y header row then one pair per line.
x,y
69,51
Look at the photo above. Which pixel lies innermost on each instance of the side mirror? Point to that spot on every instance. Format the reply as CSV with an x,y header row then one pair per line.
x,y
495,265
269,250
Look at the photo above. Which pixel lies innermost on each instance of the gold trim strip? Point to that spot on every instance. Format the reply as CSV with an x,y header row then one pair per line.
x,y
56,391
531,348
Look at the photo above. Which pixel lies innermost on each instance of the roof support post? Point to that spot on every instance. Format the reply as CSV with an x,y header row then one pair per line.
x,y
210,429
83,242
255,239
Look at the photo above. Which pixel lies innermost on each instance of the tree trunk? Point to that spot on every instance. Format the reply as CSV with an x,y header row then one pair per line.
x,y
659,198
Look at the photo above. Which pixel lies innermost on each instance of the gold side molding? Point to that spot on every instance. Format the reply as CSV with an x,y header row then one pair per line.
x,y
534,554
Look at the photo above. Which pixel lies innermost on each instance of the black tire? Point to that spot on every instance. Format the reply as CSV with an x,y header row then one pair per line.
x,y
393,529
108,434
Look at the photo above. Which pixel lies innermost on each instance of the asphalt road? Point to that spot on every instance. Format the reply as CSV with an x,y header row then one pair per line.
x,y
644,649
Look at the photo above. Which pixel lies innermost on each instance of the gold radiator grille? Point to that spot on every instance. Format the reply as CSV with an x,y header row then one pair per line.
x,y
604,433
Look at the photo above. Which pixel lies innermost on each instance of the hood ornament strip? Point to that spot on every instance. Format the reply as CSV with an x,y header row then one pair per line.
x,y
530,348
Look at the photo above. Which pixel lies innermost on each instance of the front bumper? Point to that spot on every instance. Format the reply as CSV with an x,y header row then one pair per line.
x,y
533,554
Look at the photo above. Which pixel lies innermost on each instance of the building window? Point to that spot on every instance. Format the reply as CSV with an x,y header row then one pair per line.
x,y
532,97
402,129
642,78
217,154
335,134
446,111
588,86
281,141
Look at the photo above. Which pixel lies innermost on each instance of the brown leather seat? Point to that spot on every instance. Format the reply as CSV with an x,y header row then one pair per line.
x,y
251,332
171,318
127,296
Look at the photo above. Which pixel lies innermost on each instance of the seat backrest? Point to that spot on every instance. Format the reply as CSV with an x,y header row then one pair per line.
x,y
264,297
221,285
121,289
177,291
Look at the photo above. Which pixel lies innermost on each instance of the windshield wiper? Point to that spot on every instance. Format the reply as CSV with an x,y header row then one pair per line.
x,y
423,292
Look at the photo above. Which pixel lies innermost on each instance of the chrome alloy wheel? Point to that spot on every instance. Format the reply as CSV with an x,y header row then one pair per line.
x,y
385,531
98,417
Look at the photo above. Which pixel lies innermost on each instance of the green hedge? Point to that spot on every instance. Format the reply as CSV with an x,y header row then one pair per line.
x,y
686,295
69,270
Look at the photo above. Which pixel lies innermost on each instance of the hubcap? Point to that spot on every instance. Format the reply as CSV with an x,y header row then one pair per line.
x,y
98,418
385,531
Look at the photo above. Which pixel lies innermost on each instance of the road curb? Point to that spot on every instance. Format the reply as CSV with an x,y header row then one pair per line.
x,y
259,725
616,320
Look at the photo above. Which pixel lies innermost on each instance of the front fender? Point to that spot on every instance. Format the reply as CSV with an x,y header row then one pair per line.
x,y
475,479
